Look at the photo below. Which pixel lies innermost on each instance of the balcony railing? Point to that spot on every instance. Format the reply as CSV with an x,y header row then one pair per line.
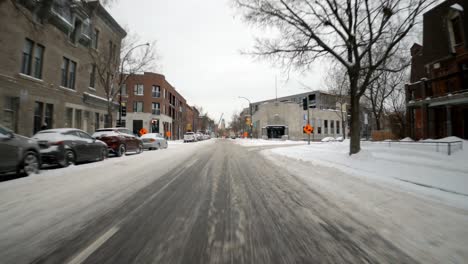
x,y
441,86
156,112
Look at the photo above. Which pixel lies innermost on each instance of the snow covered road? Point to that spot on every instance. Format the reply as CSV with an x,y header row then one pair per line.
x,y
219,202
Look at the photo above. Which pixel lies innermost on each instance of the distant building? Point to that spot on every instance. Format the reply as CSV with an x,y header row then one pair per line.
x,y
285,116
153,103
437,97
47,74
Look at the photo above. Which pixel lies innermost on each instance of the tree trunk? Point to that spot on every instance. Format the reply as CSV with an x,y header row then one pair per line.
x,y
377,122
343,125
109,114
355,144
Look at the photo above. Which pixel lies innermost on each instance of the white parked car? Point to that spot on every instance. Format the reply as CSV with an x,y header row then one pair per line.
x,y
206,137
153,141
190,137
199,136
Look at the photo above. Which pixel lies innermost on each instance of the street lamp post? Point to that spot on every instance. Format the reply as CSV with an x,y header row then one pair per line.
x,y
251,117
121,78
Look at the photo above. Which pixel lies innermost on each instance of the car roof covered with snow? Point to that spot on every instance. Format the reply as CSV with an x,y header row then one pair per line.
x,y
59,130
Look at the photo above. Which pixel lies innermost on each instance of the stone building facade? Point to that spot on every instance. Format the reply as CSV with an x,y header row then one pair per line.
x,y
286,117
153,103
47,77
437,97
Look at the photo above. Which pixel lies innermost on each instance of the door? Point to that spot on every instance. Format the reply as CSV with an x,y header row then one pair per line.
x,y
130,139
92,148
8,151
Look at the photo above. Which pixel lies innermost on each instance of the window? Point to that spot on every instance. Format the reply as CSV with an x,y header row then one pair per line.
x,y
457,30
107,121
10,113
155,110
95,39
325,124
33,56
78,119
319,126
124,90
68,73
38,58
69,117
137,107
92,77
139,89
156,91
332,127
337,127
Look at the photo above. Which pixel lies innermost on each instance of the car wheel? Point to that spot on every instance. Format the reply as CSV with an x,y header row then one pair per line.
x,y
104,154
140,148
30,163
121,150
70,158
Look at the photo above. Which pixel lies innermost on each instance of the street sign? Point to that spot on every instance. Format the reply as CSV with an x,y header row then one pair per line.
x,y
308,129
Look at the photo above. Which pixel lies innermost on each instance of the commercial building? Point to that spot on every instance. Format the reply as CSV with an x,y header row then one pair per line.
x,y
437,97
154,104
47,71
285,117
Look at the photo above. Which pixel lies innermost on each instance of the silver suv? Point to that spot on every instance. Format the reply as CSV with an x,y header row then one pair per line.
x,y
18,154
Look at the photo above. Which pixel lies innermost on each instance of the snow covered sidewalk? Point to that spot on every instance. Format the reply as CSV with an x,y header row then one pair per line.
x,y
408,165
262,142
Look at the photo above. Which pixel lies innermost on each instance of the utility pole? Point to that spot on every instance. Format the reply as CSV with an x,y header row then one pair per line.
x,y
305,106
251,117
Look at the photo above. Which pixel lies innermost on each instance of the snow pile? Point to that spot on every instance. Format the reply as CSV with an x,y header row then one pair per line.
x,y
262,142
420,167
407,139
328,139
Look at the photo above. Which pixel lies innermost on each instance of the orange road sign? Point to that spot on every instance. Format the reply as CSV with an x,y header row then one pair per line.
x,y
308,129
143,131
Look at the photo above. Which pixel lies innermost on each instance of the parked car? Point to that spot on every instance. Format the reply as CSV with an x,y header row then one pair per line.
x,y
199,136
153,141
206,136
119,140
190,137
18,154
67,146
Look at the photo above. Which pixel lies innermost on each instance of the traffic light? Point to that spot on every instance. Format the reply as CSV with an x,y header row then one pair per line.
x,y
305,103
124,110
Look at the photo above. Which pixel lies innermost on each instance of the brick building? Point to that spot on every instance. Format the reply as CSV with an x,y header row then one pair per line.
x,y
153,103
47,75
437,97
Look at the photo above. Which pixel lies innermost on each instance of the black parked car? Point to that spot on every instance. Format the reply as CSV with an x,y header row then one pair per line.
x,y
18,154
66,146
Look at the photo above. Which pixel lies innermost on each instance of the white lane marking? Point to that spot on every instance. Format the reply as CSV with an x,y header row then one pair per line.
x,y
83,255
78,259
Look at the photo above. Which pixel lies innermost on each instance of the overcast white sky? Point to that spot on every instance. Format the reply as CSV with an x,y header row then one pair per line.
x,y
199,43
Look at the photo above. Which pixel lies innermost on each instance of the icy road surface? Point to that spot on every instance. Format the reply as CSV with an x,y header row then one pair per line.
x,y
206,202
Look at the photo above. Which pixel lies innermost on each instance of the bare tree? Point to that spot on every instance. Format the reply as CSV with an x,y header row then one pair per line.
x,y
380,91
396,109
113,69
361,35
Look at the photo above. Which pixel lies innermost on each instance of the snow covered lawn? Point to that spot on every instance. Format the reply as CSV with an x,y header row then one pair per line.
x,y
419,168
262,142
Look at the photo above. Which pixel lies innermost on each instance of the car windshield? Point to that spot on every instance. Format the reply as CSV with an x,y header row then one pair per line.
x,y
233,131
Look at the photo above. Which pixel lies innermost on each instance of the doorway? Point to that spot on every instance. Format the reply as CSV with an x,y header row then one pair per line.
x,y
275,131
137,125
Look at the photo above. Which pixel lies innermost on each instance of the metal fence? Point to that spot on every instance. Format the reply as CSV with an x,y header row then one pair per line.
x,y
439,146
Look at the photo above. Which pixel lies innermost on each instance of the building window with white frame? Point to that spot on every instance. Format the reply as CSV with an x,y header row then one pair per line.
x,y
32,59
156,91
139,89
155,109
137,107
